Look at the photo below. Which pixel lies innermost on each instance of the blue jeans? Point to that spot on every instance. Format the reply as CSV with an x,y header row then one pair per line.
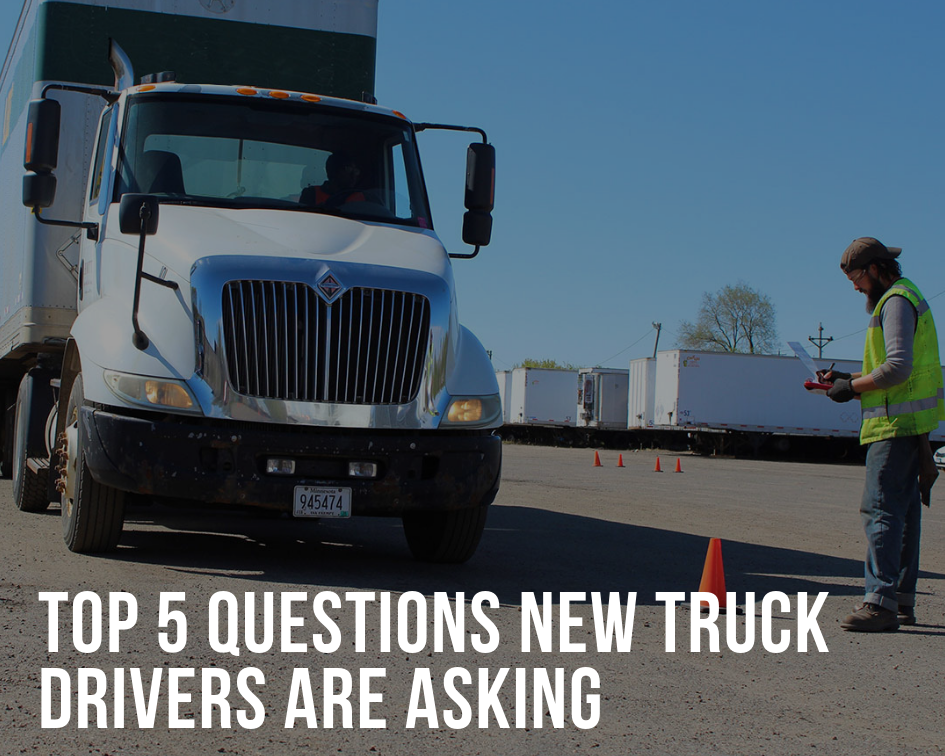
x,y
892,518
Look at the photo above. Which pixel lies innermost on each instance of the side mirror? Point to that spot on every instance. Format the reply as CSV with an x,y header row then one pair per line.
x,y
477,228
39,189
480,188
42,153
42,136
480,177
480,194
138,214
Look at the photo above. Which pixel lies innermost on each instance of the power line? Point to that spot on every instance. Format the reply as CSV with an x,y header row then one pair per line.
x,y
645,335
495,358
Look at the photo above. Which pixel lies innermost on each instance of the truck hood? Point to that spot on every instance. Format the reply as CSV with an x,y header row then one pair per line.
x,y
403,279
187,233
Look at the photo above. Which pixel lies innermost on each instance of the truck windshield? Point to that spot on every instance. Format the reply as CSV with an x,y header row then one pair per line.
x,y
253,153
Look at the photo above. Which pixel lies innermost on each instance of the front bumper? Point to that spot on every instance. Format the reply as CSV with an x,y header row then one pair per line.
x,y
225,462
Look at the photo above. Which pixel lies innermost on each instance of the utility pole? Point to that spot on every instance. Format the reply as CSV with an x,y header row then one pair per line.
x,y
820,341
658,327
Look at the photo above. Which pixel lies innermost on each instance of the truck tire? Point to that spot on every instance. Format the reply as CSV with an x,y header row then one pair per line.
x,y
33,402
7,415
445,537
93,514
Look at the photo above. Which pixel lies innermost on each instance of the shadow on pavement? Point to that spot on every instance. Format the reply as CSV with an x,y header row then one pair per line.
x,y
523,549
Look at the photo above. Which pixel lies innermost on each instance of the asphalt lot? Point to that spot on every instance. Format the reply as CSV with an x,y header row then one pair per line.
x,y
559,525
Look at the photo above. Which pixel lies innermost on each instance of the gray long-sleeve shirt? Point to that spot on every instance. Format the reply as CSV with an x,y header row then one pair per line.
x,y
899,319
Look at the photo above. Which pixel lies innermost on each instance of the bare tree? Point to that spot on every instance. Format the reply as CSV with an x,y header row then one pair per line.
x,y
735,319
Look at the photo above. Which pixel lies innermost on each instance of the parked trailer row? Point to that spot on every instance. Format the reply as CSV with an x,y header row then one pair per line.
x,y
546,397
712,401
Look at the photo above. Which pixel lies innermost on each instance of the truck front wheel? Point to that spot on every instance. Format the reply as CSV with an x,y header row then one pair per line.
x,y
449,537
92,513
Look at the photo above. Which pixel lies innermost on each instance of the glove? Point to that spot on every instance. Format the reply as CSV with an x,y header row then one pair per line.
x,y
834,375
842,390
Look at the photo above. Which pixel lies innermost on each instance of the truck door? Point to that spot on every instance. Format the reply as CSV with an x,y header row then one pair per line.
x,y
100,189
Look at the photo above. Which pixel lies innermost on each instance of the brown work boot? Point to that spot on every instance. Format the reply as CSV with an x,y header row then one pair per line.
x,y
871,618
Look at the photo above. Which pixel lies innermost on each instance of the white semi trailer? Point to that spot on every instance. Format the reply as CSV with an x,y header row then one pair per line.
x,y
192,306
752,396
602,398
641,399
747,392
542,397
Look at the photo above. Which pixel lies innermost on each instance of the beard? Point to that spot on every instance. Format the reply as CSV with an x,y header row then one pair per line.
x,y
876,291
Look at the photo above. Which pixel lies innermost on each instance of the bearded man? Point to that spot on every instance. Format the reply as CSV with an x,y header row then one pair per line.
x,y
902,400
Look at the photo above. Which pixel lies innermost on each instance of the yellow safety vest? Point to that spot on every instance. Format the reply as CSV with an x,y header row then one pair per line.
x,y
917,405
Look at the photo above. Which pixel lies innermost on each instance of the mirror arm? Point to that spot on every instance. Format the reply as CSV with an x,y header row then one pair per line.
x,y
173,285
140,339
91,228
461,256
109,95
446,127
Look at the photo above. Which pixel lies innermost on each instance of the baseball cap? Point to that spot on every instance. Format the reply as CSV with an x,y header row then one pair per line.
x,y
864,251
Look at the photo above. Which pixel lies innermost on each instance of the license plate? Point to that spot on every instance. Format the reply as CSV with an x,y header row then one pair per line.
x,y
314,501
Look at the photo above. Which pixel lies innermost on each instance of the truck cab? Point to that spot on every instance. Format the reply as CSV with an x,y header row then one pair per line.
x,y
265,316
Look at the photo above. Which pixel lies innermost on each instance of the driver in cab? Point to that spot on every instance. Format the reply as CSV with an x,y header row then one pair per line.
x,y
341,186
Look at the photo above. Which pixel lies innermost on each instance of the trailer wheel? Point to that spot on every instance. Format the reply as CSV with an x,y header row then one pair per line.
x,y
30,488
445,537
92,513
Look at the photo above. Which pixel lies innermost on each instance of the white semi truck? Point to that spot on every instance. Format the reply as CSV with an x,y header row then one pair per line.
x,y
197,305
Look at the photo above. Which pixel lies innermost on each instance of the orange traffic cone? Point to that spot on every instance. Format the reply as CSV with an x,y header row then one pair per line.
x,y
620,461
657,468
596,459
678,465
713,574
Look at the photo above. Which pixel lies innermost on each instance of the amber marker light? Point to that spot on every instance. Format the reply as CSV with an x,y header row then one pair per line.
x,y
279,95
146,88
151,392
246,91
311,98
465,411
400,115
473,411
166,394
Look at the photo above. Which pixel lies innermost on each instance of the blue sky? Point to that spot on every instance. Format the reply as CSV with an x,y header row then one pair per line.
x,y
651,152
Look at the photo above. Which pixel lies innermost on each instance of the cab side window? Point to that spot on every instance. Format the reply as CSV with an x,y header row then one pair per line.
x,y
98,169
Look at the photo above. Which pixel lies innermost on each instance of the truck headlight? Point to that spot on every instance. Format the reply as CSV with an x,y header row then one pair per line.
x,y
153,393
473,411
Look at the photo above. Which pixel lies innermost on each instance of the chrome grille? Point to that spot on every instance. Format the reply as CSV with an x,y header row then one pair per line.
x,y
282,341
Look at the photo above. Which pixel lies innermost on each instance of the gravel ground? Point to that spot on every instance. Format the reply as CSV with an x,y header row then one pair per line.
x,y
561,526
